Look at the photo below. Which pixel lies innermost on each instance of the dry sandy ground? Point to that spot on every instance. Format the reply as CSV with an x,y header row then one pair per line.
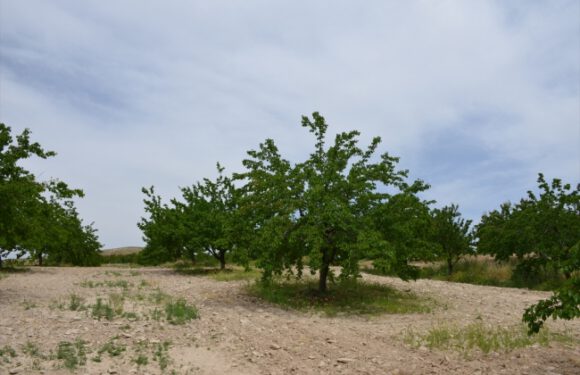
x,y
237,334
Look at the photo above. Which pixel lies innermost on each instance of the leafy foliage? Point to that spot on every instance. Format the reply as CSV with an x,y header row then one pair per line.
x,y
206,221
39,218
323,209
544,233
453,235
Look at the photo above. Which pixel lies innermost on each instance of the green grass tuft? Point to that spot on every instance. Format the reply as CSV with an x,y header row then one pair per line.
x,y
102,310
346,298
7,353
179,312
76,302
71,354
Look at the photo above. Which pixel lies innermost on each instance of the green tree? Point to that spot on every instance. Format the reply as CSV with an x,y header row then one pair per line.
x,y
211,215
165,231
320,209
30,209
452,234
543,231
565,303
404,223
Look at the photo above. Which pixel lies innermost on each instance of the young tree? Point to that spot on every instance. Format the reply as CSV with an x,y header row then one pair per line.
x,y
452,234
164,232
211,216
544,232
539,230
320,208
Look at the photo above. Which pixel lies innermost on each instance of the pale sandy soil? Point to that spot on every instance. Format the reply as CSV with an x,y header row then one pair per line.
x,y
237,334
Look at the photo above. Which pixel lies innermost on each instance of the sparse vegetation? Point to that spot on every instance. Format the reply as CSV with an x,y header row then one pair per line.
x,y
7,353
123,284
31,349
112,348
236,275
348,298
180,312
72,354
480,337
102,310
76,302
28,304
161,354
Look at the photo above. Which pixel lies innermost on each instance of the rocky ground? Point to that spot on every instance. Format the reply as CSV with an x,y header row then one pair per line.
x,y
238,334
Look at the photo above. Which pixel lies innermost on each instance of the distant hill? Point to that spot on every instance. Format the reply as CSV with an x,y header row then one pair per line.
x,y
121,250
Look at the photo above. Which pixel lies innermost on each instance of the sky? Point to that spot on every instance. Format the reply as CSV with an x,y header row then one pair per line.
x,y
475,97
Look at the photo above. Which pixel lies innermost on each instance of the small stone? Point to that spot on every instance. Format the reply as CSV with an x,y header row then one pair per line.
x,y
344,360
14,371
321,364
126,335
275,346
112,371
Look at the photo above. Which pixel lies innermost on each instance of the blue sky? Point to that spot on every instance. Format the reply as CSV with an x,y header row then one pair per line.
x,y
476,97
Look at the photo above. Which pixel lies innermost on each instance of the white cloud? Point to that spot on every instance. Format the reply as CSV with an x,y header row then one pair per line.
x,y
137,93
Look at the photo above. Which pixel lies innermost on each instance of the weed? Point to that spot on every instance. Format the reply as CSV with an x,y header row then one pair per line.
x,y
179,312
72,354
158,297
90,284
112,348
141,360
102,310
134,273
56,304
348,297
143,284
156,314
477,336
117,303
76,302
32,350
113,273
6,353
124,284
131,316
28,304
161,354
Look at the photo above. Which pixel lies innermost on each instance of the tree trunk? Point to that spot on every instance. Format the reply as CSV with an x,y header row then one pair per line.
x,y
449,266
323,277
40,259
0,261
222,259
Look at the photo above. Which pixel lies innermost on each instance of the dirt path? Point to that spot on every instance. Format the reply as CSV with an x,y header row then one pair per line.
x,y
237,334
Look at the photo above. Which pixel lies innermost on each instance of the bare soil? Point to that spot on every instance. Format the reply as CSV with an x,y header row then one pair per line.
x,y
238,334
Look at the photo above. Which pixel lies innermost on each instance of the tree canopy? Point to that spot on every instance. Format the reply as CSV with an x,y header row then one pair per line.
x,y
452,234
322,210
38,217
543,231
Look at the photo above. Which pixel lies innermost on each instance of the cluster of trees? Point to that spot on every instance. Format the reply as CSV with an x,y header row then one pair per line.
x,y
343,204
38,218
543,233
